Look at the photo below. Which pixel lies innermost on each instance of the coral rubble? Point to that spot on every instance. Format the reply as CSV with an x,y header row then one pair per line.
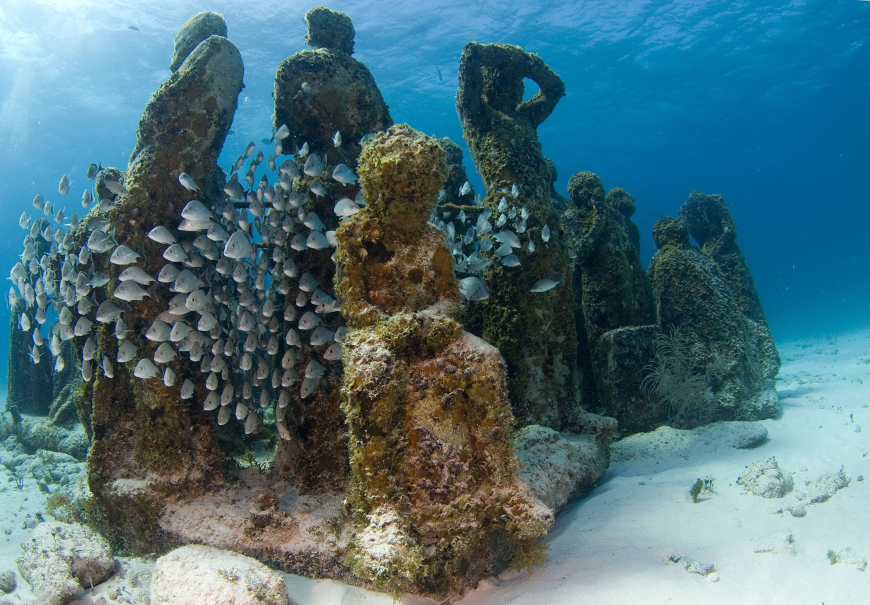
x,y
535,332
434,471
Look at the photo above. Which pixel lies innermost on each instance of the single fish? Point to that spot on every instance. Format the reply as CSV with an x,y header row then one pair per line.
x,y
168,377
282,133
108,311
187,182
130,290
187,388
108,368
134,28
318,189
336,139
309,321
511,260
545,285
168,274
345,207
164,353
197,211
83,326
508,237
159,331
440,79
115,187
89,349
87,198
124,255
126,351
344,175
313,165
317,241
136,274
175,254
63,186
473,289
333,352
515,191
93,170
309,90
146,369
120,329
321,335
238,246
465,189
24,221
545,233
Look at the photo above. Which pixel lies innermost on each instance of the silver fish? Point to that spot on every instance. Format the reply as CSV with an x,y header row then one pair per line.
x,y
136,274
211,402
465,189
175,254
108,311
146,369
308,386
545,233
238,246
87,371
124,255
321,335
24,221
224,415
508,237
93,169
168,274
39,202
313,165
473,289
130,290
317,241
544,285
511,260
187,388
336,139
318,189
87,198
115,187
186,282
168,377
108,368
345,207
83,326
89,349
282,133
197,211
164,353
344,175
159,331
187,182
161,235
333,353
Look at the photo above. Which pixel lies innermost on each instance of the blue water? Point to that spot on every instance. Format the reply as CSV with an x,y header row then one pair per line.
x,y
764,103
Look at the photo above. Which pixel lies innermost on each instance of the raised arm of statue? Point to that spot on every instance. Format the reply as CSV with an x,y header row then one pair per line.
x,y
552,88
491,79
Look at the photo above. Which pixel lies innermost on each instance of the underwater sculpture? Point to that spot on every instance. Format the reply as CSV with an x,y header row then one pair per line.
x,y
614,300
713,362
434,472
330,102
534,331
148,441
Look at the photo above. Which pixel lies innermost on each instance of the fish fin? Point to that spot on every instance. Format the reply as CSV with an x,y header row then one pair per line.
x,y
152,292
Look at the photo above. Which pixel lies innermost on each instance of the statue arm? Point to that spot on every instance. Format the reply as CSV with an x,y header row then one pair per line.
x,y
552,88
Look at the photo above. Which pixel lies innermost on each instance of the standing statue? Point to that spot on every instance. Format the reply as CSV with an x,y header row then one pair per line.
x,y
535,331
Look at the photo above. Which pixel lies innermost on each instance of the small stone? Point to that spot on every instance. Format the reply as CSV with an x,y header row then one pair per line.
x,y
7,580
766,479
798,509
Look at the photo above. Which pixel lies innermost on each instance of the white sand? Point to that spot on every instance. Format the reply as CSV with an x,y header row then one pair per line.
x,y
612,547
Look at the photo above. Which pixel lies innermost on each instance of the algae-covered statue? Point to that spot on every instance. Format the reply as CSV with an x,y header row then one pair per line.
x,y
328,101
614,299
535,331
434,473
713,362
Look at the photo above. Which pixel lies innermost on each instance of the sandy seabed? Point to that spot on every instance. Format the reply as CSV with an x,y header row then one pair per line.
x,y
615,545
